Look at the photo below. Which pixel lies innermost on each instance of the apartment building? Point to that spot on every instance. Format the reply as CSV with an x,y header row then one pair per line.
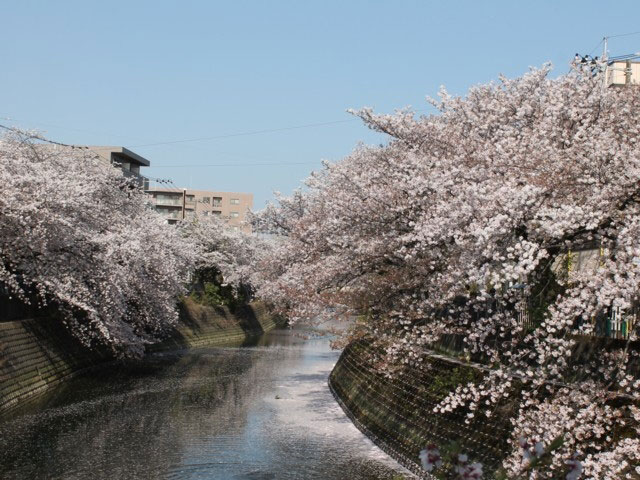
x,y
176,204
623,72
128,161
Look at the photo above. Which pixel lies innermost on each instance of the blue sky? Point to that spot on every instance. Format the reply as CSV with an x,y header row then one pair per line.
x,y
134,73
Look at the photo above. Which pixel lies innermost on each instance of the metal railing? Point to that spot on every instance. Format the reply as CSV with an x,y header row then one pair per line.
x,y
176,202
620,324
614,323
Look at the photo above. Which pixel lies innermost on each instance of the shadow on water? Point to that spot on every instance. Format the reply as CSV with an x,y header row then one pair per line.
x,y
204,413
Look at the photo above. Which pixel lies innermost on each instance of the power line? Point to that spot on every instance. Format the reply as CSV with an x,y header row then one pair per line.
x,y
623,34
37,137
93,132
167,181
185,140
234,165
629,56
202,139
171,186
242,134
594,48
256,132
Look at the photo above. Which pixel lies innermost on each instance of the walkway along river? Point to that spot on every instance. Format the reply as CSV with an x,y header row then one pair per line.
x,y
257,412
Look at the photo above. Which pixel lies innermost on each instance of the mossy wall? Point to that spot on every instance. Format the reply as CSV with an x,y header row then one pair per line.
x,y
37,354
201,325
397,414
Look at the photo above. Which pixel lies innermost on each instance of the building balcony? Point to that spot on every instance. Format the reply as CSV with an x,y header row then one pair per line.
x,y
168,202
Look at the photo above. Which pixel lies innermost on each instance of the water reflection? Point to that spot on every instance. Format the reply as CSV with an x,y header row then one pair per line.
x,y
259,412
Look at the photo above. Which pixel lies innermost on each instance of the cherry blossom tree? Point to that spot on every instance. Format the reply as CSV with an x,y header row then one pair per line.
x,y
458,224
227,252
75,233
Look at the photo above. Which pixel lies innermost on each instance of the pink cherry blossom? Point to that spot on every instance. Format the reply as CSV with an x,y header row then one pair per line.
x,y
430,458
464,220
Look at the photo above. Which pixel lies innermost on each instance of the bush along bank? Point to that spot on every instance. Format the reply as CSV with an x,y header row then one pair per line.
x,y
38,354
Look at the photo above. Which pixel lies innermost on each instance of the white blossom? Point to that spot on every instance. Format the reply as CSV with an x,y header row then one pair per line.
x,y
456,221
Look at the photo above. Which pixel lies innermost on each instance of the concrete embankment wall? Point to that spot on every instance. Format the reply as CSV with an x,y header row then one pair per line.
x,y
202,325
397,414
37,354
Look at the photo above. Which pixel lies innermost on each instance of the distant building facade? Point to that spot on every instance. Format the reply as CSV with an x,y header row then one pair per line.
x,y
128,161
623,72
175,204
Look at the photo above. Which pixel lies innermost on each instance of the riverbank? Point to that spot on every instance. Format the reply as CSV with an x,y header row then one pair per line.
x,y
36,354
397,414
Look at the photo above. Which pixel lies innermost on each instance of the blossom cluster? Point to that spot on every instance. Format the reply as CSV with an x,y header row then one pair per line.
x,y
467,470
430,458
233,253
531,450
464,469
460,218
77,234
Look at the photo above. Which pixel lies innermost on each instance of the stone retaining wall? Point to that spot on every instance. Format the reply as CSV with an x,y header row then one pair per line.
x,y
37,354
201,325
397,414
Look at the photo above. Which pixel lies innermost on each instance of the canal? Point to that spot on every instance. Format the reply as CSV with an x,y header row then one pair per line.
x,y
256,412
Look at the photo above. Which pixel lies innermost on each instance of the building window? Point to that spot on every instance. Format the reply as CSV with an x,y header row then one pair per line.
x,y
190,198
206,199
217,201
234,214
235,201
216,213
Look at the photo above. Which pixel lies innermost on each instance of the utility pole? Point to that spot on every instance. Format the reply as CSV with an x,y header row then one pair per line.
x,y
605,59
184,201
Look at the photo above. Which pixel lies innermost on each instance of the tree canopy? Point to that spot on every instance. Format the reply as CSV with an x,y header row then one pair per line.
x,y
76,233
458,222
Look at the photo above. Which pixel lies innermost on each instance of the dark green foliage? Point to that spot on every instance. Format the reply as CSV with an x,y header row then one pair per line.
x,y
544,292
446,381
211,294
208,288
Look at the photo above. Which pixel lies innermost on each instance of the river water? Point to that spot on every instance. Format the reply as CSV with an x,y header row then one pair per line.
x,y
255,412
